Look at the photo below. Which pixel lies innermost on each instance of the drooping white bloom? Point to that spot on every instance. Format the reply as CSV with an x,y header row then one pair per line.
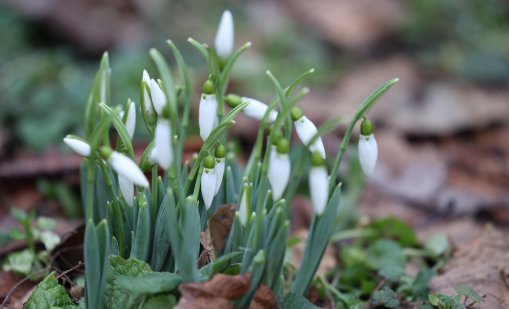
x,y
319,188
368,153
207,117
152,156
149,109
162,142
127,188
208,186
219,171
225,36
279,174
78,145
127,168
306,130
256,109
158,97
130,122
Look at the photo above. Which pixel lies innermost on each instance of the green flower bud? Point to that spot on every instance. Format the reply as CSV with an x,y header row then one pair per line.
x,y
105,152
208,87
317,159
220,152
366,127
277,136
166,112
283,146
296,113
209,162
232,100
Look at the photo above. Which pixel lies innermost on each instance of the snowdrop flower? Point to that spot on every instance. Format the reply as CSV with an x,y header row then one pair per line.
x,y
279,168
219,155
146,100
124,166
152,157
208,181
162,142
207,117
127,188
244,206
318,184
130,121
78,145
306,130
368,149
158,97
255,109
224,37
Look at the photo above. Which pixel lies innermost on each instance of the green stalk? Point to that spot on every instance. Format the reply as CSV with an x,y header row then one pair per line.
x,y
89,207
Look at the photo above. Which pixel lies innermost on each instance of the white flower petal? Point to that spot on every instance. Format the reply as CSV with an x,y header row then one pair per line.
x,y
149,109
207,117
127,188
243,211
368,153
127,168
77,145
319,188
146,77
219,170
208,186
225,36
306,130
162,141
279,174
152,156
158,97
257,109
130,122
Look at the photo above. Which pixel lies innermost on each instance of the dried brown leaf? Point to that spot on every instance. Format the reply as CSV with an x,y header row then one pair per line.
x,y
220,225
264,299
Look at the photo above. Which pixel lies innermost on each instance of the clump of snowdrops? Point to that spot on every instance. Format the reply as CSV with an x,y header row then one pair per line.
x,y
161,220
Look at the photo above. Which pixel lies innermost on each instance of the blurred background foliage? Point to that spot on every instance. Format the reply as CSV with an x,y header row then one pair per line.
x,y
50,50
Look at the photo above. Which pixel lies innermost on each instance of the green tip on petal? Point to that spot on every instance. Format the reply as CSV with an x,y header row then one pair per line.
x,y
283,146
209,162
366,127
296,113
166,112
232,100
277,136
220,152
208,87
105,152
317,159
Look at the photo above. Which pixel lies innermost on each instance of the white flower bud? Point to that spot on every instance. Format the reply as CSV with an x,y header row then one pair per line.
x,y
306,130
130,122
127,188
78,145
219,171
207,117
319,188
368,153
208,186
127,168
225,36
279,173
162,142
243,211
158,97
257,109
152,156
149,109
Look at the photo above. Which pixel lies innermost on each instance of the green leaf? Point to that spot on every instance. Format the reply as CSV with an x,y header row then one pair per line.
x,y
16,234
20,262
469,292
396,229
116,296
149,283
420,286
49,239
49,295
391,272
160,301
387,297
445,301
293,300
19,214
45,223
4,238
385,253
437,244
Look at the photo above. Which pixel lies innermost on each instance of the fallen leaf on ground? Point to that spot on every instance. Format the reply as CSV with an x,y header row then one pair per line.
x,y
220,225
481,264
264,299
216,293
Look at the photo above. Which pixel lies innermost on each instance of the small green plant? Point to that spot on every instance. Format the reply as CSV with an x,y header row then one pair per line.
x,y
31,262
161,226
